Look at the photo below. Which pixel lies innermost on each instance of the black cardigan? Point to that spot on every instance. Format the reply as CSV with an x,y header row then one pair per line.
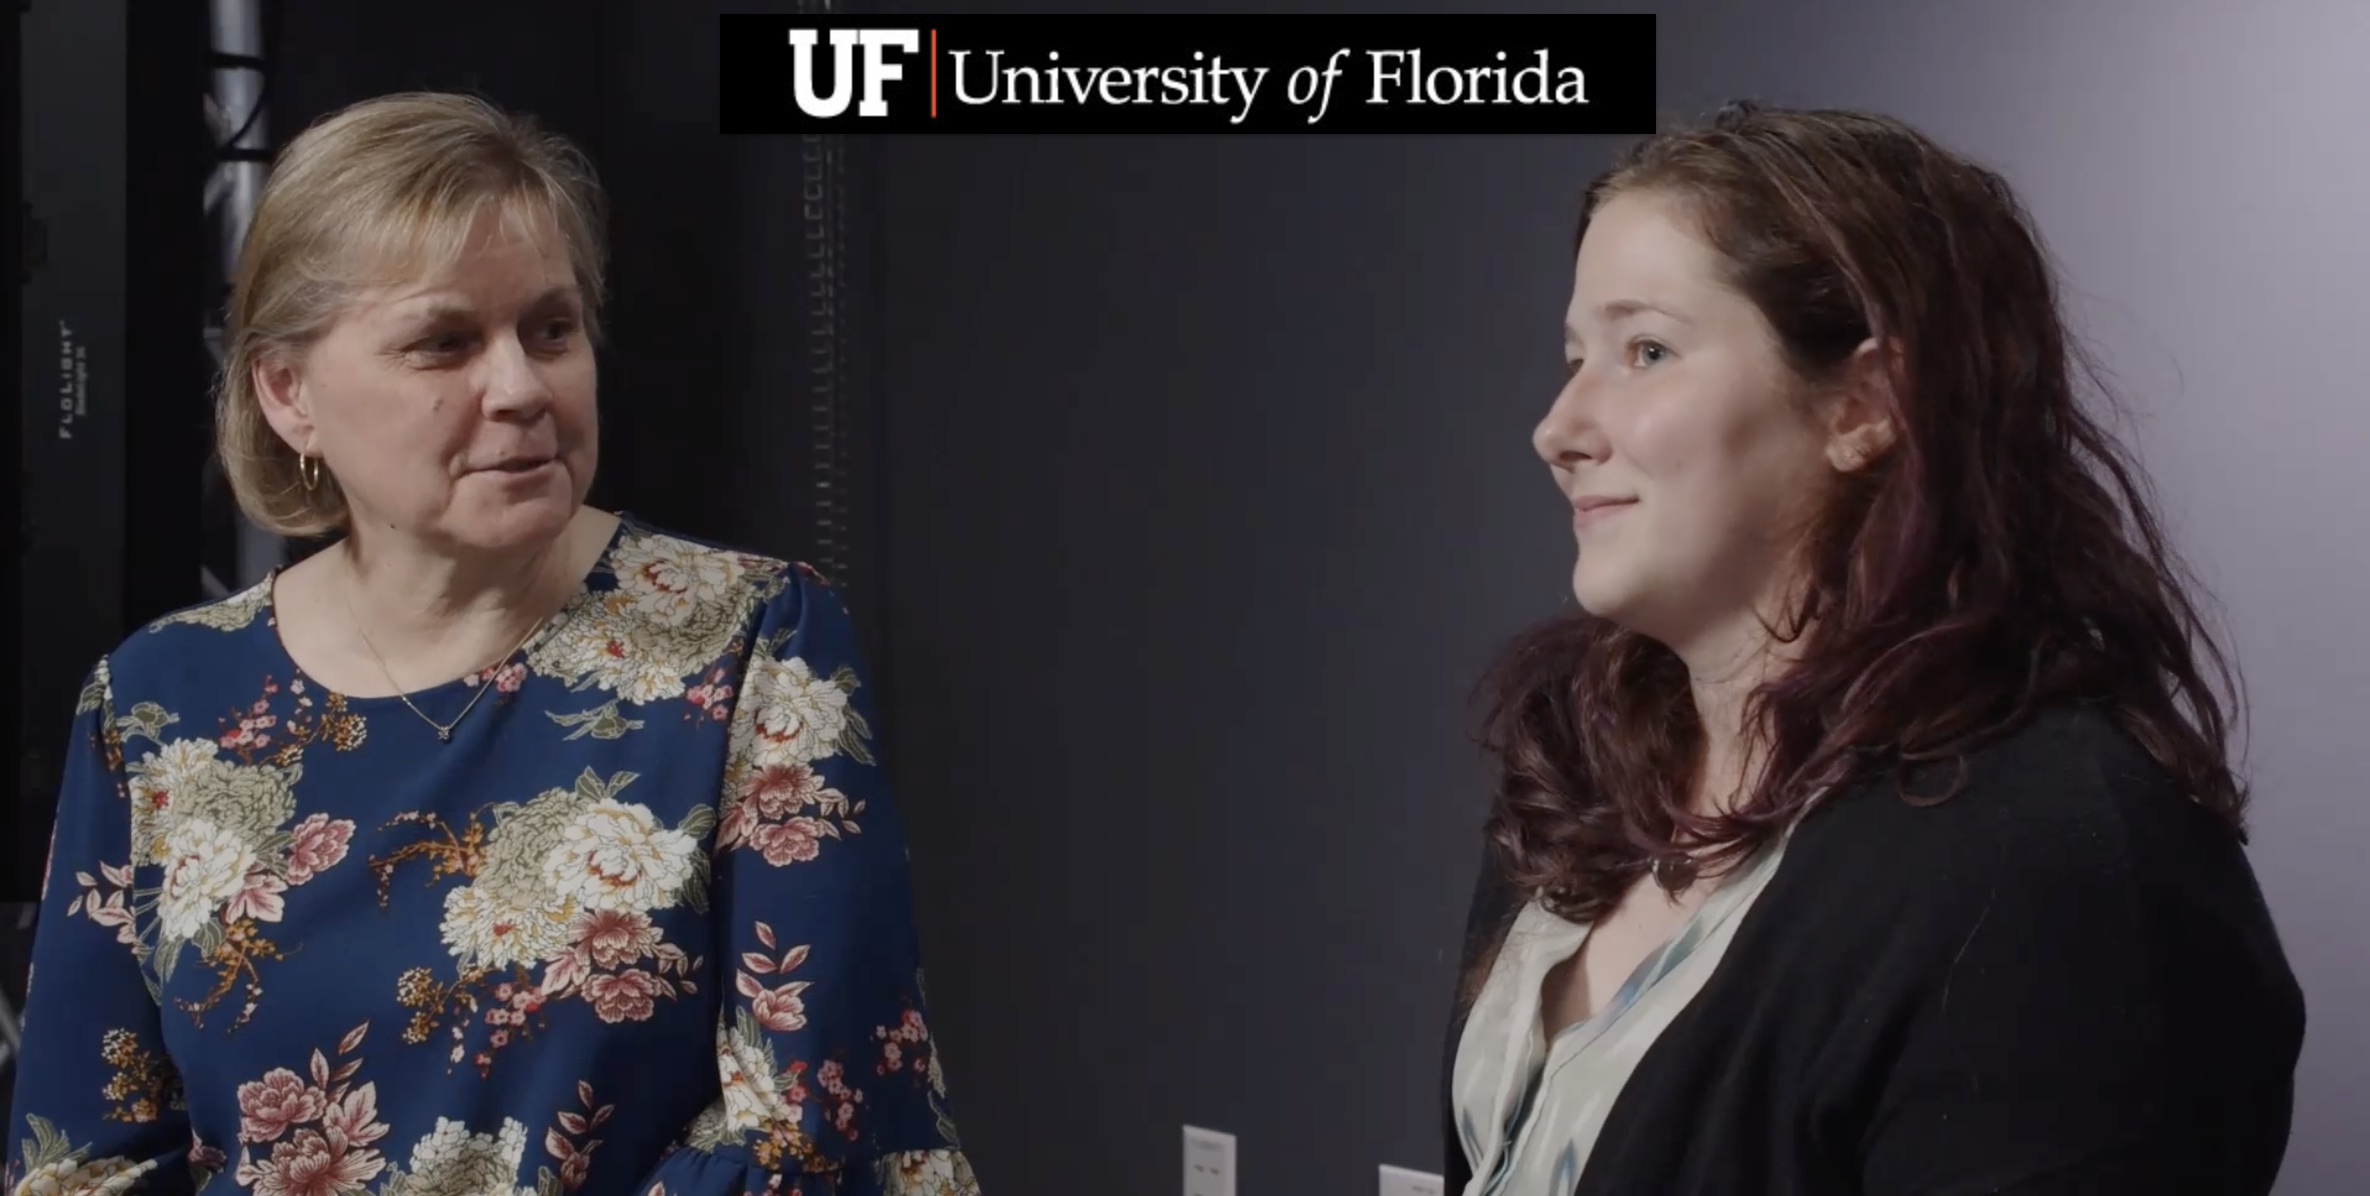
x,y
2061,982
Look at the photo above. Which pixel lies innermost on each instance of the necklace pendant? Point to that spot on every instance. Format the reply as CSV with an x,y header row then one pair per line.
x,y
444,734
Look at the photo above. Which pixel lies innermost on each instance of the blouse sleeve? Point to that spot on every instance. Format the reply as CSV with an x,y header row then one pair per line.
x,y
98,1105
830,1080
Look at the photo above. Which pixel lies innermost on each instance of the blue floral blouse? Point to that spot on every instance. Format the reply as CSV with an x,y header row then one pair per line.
x,y
639,928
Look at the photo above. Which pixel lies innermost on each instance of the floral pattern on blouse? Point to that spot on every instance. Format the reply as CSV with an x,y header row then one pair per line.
x,y
640,928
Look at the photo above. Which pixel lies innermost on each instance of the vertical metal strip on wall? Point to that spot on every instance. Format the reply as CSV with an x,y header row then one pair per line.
x,y
242,163
823,220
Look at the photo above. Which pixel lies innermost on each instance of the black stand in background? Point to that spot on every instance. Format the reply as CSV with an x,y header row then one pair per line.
x,y
12,448
114,411
15,917
16,921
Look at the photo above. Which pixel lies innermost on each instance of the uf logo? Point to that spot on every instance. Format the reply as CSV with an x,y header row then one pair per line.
x,y
876,70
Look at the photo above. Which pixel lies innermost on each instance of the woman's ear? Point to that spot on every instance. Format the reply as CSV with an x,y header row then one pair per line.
x,y
280,392
1862,411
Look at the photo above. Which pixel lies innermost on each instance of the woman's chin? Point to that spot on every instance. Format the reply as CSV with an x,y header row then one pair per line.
x,y
1597,591
1623,601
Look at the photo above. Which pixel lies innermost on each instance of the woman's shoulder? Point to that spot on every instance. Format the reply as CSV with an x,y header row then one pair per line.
x,y
2068,934
2065,832
664,612
236,611
649,560
192,643
2068,786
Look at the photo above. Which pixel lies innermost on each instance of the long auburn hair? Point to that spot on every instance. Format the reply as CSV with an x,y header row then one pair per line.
x,y
2000,555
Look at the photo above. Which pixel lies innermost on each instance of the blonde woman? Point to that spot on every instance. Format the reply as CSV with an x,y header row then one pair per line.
x,y
508,845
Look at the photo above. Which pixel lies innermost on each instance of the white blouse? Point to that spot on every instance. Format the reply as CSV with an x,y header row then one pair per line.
x,y
1529,1109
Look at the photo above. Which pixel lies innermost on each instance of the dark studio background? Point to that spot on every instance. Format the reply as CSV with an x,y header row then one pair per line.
x,y
1196,489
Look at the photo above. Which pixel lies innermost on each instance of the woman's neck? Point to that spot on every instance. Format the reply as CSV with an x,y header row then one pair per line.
x,y
410,598
1723,674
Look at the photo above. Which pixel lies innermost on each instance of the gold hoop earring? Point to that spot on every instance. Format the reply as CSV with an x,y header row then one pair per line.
x,y
308,470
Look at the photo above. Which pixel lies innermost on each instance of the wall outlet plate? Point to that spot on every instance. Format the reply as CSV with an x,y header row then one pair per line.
x,y
1209,1162
1399,1181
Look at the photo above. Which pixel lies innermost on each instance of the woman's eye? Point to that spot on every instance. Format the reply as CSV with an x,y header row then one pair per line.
x,y
1650,352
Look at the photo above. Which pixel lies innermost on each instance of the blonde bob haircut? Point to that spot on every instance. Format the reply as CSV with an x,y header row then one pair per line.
x,y
378,194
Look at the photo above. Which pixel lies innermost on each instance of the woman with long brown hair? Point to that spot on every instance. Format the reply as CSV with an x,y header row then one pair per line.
x,y
1869,826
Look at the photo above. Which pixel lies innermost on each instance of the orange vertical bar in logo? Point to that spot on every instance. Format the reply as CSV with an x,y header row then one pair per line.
x,y
933,74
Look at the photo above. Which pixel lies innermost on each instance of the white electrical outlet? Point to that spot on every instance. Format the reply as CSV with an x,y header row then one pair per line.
x,y
1209,1162
1399,1181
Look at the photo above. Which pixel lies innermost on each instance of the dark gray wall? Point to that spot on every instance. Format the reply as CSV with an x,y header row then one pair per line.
x,y
1210,492
1207,501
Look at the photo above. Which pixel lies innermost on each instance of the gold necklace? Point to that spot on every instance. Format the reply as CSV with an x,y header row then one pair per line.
x,y
444,731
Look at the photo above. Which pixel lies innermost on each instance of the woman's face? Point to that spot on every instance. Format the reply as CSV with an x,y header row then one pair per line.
x,y
1682,438
459,408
